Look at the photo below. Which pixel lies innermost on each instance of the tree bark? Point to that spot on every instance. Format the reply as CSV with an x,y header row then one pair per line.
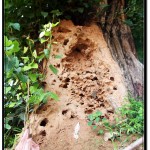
x,y
121,44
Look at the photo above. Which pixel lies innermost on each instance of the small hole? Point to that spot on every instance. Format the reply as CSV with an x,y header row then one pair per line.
x,y
72,116
66,41
114,88
81,95
65,85
112,78
43,133
102,105
90,105
95,78
68,104
89,111
64,112
44,122
82,103
77,50
58,65
67,80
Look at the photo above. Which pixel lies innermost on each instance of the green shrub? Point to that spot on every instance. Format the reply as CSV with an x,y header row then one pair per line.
x,y
130,120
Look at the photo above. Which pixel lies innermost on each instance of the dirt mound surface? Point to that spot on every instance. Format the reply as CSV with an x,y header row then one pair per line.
x,y
88,80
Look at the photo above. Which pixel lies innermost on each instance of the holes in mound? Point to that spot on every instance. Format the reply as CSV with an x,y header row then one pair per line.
x,y
67,80
65,85
66,41
82,103
88,111
112,78
43,133
68,104
95,78
82,95
64,111
63,30
90,105
44,122
101,105
79,47
114,88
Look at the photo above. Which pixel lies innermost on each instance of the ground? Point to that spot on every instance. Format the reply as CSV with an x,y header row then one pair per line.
x,y
88,80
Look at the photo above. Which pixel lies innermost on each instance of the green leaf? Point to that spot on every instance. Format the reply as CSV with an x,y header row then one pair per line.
x,y
30,66
43,40
128,22
25,59
9,48
22,77
94,127
54,96
40,58
53,69
22,116
10,63
90,123
16,26
104,120
33,89
12,104
34,54
55,24
80,10
98,113
47,33
13,49
33,77
100,132
7,126
91,117
58,56
7,42
47,53
7,89
25,50
97,119
44,14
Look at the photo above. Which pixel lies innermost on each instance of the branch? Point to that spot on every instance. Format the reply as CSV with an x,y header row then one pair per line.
x,y
135,144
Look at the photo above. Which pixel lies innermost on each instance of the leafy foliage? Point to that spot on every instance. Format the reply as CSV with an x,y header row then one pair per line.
x,y
130,120
22,82
22,88
131,117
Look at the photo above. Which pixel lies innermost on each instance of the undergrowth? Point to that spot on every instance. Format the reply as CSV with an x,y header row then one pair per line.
x,y
130,120
22,81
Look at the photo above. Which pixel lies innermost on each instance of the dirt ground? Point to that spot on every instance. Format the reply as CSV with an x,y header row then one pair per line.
x,y
88,80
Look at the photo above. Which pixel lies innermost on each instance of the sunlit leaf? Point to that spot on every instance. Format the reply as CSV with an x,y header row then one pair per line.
x,y
54,96
53,69
16,26
25,50
90,123
58,56
47,53
7,126
44,14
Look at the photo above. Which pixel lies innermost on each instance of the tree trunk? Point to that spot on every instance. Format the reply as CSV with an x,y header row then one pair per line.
x,y
121,44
